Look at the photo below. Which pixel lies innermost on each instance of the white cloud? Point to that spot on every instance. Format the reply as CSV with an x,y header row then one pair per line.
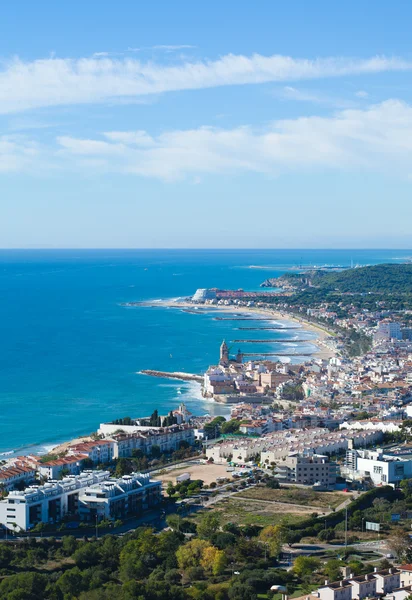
x,y
172,47
362,94
377,138
17,153
56,82
312,97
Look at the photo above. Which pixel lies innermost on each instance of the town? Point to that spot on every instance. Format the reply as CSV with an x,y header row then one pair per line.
x,y
311,467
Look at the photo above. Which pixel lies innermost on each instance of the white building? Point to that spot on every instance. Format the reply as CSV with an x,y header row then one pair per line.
x,y
70,465
16,474
371,585
381,469
118,498
84,496
389,330
203,294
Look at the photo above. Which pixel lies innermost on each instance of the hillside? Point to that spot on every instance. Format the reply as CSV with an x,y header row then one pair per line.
x,y
380,279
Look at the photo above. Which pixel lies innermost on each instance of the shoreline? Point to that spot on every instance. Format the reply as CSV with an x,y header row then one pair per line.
x,y
322,334
322,352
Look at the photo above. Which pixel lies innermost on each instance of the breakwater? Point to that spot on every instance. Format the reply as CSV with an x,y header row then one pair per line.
x,y
280,341
269,328
172,375
245,354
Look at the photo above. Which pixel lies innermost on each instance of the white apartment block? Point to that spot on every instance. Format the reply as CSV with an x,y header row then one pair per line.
x,y
278,445
53,469
374,584
10,476
118,498
49,503
381,469
126,438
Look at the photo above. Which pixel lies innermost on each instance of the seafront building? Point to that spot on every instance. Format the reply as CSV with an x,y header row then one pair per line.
x,y
89,496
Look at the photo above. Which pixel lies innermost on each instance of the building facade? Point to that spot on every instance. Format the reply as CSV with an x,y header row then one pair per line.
x,y
86,496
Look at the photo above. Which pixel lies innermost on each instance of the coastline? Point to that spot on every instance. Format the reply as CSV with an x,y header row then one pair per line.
x,y
324,352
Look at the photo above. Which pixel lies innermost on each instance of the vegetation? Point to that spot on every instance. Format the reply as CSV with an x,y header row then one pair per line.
x,y
203,558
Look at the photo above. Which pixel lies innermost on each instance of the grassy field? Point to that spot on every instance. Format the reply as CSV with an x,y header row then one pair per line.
x,y
244,512
303,497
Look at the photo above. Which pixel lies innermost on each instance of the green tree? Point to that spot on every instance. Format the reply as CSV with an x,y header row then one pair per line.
x,y
70,582
305,566
332,569
208,526
24,586
123,467
87,555
69,545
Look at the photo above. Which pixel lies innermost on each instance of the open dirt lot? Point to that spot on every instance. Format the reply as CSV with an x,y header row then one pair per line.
x,y
297,496
254,512
207,472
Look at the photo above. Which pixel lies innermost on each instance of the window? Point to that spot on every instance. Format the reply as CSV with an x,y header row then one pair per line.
x,y
377,469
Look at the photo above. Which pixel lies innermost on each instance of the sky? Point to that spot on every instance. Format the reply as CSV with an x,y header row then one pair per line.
x,y
206,124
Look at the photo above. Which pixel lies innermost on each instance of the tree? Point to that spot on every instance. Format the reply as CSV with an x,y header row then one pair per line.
x,y
87,555
242,591
274,536
208,526
6,555
70,582
305,566
231,426
69,545
190,554
400,544
208,558
24,586
332,569
123,467
219,563
131,565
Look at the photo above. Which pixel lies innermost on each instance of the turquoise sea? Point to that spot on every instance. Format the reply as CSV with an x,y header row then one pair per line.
x,y
69,352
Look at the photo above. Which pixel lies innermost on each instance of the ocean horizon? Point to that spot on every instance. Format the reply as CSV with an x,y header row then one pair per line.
x,y
70,352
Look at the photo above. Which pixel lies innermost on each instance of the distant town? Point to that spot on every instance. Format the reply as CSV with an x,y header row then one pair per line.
x,y
325,443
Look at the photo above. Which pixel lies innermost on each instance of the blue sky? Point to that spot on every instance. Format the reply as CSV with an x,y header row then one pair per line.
x,y
214,124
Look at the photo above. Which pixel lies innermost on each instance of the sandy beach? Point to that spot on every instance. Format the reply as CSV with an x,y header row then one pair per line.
x,y
322,333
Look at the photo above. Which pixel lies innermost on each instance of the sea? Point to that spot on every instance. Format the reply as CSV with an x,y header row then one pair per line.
x,y
70,353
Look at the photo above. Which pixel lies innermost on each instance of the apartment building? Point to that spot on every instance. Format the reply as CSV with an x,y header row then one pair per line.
x,y
118,498
380,468
99,451
86,496
16,474
306,470
371,585
70,465
125,438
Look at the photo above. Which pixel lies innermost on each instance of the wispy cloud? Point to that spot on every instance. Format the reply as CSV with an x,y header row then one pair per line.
x,y
312,97
377,138
171,47
56,82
